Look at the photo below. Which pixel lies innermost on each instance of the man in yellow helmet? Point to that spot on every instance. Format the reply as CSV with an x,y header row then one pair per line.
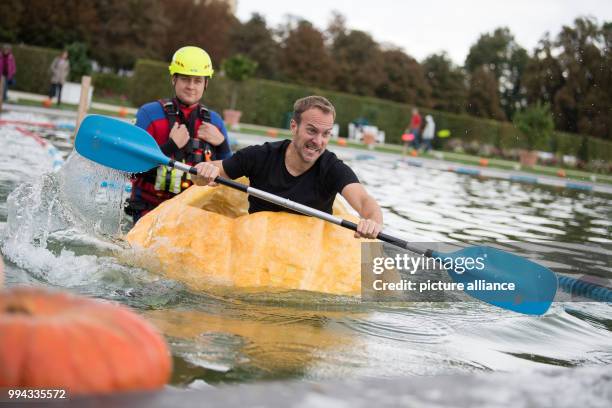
x,y
184,129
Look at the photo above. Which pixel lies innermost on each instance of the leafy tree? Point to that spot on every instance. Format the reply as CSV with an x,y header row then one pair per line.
x,y
403,79
572,74
125,31
238,68
448,83
136,28
304,58
336,27
536,123
543,74
10,20
42,23
583,102
503,57
206,24
255,40
358,63
483,99
79,63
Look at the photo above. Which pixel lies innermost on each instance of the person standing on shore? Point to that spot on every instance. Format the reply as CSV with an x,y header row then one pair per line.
x,y
60,68
415,128
8,68
428,132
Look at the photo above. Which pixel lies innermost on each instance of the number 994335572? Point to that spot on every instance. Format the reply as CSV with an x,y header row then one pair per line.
x,y
12,394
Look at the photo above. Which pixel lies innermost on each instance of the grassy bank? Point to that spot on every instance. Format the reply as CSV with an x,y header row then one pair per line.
x,y
71,107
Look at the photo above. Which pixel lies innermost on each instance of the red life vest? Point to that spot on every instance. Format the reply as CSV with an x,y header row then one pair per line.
x,y
160,184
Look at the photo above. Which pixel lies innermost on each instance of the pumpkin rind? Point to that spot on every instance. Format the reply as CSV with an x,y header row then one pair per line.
x,y
50,339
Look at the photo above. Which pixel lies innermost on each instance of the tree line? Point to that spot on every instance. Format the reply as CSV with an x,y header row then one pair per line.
x,y
570,72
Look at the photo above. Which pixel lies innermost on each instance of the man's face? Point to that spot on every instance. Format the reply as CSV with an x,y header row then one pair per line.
x,y
311,136
189,89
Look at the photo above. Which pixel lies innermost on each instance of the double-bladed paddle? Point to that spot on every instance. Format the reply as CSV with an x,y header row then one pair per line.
x,y
122,146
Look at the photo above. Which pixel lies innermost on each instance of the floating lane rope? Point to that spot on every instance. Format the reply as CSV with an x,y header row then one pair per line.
x,y
505,175
585,289
52,151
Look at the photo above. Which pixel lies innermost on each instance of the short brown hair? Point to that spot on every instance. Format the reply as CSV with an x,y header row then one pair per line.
x,y
314,101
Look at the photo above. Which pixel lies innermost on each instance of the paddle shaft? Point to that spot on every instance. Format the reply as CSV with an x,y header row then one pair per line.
x,y
292,205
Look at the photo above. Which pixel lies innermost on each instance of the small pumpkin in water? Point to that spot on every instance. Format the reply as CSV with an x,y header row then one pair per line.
x,y
50,339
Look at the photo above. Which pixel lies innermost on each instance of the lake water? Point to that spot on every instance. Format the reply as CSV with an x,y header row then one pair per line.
x,y
63,229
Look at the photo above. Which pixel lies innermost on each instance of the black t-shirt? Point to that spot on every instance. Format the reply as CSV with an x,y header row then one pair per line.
x,y
264,165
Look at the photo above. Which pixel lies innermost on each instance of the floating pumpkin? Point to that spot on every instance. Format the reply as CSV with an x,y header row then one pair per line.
x,y
272,132
50,339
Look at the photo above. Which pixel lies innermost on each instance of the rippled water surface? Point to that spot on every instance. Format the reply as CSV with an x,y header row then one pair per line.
x,y
67,229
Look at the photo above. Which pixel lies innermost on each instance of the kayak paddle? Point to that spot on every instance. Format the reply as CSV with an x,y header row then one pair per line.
x,y
122,146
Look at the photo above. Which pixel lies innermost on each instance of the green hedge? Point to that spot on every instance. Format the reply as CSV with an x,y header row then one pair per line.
x,y
150,82
266,103
33,64
108,84
33,73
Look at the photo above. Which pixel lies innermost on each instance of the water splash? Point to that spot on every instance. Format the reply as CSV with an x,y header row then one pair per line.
x,y
72,205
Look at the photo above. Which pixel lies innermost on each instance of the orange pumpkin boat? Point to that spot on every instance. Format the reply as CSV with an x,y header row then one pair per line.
x,y
205,237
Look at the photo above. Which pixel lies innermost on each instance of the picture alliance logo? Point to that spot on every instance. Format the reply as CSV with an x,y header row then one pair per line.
x,y
412,264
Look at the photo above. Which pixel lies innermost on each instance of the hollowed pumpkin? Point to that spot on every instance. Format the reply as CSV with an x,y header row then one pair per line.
x,y
204,237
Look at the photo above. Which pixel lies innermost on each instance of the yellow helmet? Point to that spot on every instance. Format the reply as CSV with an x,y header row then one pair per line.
x,y
191,61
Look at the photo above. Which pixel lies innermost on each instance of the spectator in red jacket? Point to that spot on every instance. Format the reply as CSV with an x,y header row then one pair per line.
x,y
415,128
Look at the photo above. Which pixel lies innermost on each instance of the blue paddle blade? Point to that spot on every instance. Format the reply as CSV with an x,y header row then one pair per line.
x,y
117,144
489,280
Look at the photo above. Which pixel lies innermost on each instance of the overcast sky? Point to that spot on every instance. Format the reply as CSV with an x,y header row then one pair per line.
x,y
430,26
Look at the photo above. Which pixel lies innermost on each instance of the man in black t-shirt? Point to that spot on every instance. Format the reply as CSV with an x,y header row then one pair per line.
x,y
301,169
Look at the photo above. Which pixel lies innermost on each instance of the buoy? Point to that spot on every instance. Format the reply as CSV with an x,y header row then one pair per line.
x,y
47,103
483,162
341,141
272,132
123,112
